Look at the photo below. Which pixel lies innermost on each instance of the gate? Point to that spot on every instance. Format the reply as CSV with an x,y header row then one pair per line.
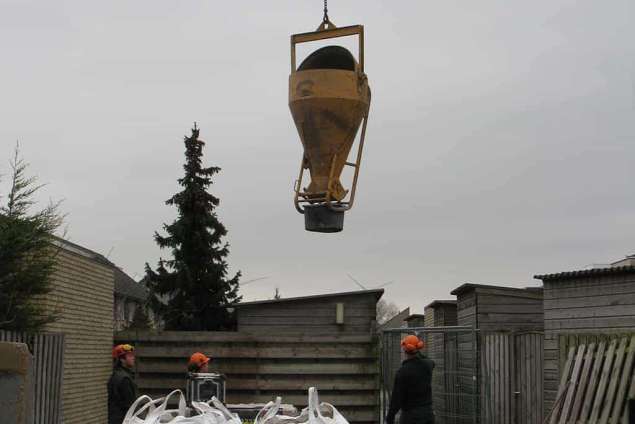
x,y
48,365
512,384
455,379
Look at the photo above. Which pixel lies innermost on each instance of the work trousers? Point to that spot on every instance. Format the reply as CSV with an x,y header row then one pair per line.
x,y
422,415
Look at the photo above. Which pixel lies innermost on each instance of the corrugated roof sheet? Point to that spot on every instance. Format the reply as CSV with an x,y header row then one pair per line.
x,y
586,273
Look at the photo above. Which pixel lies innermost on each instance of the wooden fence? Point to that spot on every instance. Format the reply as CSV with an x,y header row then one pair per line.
x,y
344,368
48,363
512,388
596,382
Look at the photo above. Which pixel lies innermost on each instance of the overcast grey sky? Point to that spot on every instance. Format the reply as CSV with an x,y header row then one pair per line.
x,y
501,140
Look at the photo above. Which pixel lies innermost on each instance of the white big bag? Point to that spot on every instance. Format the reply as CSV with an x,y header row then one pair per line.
x,y
322,413
269,415
315,413
157,412
218,411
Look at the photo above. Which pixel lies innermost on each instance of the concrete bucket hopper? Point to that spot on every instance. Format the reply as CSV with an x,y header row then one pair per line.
x,y
329,100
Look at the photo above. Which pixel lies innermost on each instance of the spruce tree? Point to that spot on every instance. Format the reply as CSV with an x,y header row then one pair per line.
x,y
192,290
27,256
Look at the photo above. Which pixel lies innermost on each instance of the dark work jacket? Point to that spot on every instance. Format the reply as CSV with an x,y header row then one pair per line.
x,y
412,393
122,392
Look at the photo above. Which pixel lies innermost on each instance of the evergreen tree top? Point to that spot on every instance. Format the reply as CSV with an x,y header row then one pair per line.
x,y
191,290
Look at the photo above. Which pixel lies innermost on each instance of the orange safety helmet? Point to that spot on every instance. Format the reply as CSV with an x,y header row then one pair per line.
x,y
199,359
412,344
120,350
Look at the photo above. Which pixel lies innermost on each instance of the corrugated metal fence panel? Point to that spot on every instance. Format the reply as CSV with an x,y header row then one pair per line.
x,y
512,378
48,359
258,368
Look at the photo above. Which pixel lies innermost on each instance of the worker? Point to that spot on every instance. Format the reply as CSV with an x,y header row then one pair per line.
x,y
198,363
412,392
122,390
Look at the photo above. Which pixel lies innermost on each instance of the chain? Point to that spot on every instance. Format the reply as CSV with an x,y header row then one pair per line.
x,y
326,11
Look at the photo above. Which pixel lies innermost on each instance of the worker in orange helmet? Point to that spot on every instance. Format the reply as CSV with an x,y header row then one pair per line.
x,y
122,390
198,363
412,392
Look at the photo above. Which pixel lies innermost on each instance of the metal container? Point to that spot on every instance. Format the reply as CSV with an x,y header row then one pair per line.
x,y
329,98
201,387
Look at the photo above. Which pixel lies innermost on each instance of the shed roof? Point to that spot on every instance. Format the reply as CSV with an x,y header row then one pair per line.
x,y
470,286
376,293
125,286
593,272
436,303
80,250
415,316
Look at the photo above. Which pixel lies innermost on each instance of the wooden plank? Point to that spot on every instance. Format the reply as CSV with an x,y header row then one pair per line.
x,y
271,351
498,367
534,369
39,349
323,304
519,382
61,373
601,391
620,399
613,322
492,300
613,381
521,309
518,377
508,294
593,289
508,317
367,398
563,382
317,310
503,379
508,364
37,374
280,384
575,375
195,337
57,366
526,395
540,389
300,330
48,377
607,298
306,321
584,379
531,403
626,419
496,380
51,369
563,348
486,380
292,367
492,382
591,312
